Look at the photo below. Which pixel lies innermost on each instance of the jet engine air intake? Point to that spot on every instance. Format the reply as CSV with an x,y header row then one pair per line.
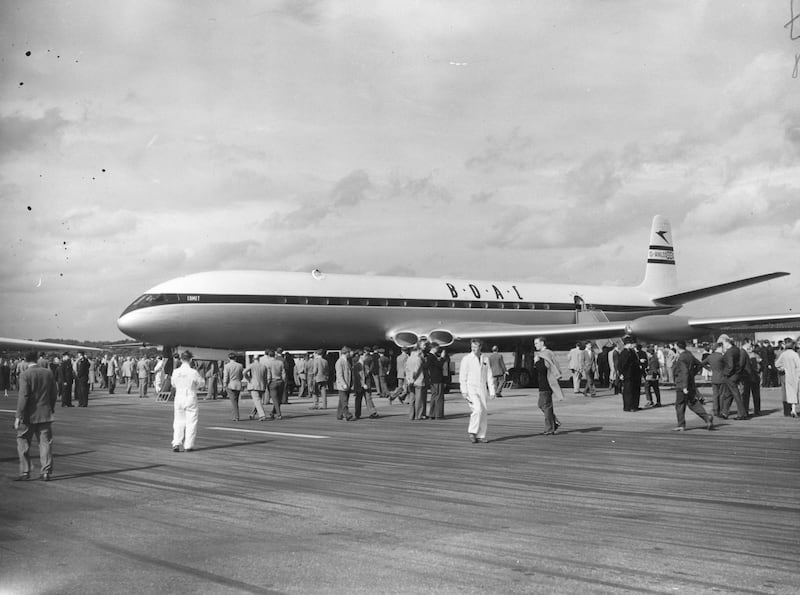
x,y
441,337
405,338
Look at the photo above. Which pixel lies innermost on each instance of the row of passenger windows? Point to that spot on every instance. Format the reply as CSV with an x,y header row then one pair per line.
x,y
408,303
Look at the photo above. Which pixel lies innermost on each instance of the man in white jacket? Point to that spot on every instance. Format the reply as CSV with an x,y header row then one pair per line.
x,y
476,385
186,381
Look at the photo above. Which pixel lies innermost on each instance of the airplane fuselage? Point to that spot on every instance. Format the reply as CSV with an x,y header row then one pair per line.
x,y
252,309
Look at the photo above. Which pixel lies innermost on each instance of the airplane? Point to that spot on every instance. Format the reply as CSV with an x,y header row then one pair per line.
x,y
248,309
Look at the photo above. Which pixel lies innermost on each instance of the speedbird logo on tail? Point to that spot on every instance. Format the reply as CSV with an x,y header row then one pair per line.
x,y
663,236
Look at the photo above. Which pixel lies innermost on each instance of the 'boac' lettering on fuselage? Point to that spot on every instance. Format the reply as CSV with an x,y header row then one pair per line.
x,y
484,293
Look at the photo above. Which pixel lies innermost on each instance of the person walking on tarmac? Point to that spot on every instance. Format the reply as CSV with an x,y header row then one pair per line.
x,y
186,381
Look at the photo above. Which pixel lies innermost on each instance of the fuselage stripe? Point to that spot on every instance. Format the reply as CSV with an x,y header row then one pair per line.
x,y
152,300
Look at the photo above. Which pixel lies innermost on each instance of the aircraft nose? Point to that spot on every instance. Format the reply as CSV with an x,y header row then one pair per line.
x,y
127,323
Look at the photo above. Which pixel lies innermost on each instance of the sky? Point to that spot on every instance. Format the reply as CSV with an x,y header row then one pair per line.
x,y
142,140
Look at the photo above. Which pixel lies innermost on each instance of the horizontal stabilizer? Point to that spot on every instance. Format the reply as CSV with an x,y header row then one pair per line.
x,y
679,299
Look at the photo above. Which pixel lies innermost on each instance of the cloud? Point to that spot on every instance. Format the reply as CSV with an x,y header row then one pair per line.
x,y
481,197
352,189
745,205
511,151
596,179
301,217
308,12
420,189
22,133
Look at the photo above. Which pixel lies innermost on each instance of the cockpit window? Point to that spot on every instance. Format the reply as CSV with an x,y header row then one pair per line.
x,y
152,299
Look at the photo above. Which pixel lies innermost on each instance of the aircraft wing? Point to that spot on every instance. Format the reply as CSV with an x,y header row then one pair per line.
x,y
27,344
765,323
647,328
595,330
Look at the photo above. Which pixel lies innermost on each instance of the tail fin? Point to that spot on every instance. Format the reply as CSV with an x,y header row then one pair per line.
x,y
660,275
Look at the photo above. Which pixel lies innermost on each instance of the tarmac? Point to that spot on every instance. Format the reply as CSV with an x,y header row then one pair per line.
x,y
614,503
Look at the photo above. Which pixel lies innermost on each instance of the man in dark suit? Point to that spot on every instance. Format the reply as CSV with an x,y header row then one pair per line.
x,y
82,380
630,373
65,377
686,368
35,408
232,375
731,371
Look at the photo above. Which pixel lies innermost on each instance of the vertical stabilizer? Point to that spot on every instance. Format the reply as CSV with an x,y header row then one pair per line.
x,y
660,276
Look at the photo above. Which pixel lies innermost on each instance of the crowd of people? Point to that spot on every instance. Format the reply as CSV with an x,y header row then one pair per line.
x,y
418,377
736,373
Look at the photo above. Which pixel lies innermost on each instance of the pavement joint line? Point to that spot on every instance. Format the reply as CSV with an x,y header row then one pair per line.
x,y
313,436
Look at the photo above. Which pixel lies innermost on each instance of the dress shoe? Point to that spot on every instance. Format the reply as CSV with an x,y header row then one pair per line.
x,y
188,450
262,418
22,477
740,417
710,422
482,440
176,448
549,432
374,416
45,476
679,429
473,438
723,415
313,408
558,425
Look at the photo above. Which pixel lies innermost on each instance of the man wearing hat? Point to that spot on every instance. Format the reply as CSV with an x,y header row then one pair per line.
x,y
630,373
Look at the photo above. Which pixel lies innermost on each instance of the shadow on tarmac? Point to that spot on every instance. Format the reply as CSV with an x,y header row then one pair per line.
x,y
108,472
559,433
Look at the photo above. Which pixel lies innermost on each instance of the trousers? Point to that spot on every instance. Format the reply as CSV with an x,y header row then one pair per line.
x,y
258,408
683,400
44,436
479,416
367,398
184,425
436,410
417,409
546,405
